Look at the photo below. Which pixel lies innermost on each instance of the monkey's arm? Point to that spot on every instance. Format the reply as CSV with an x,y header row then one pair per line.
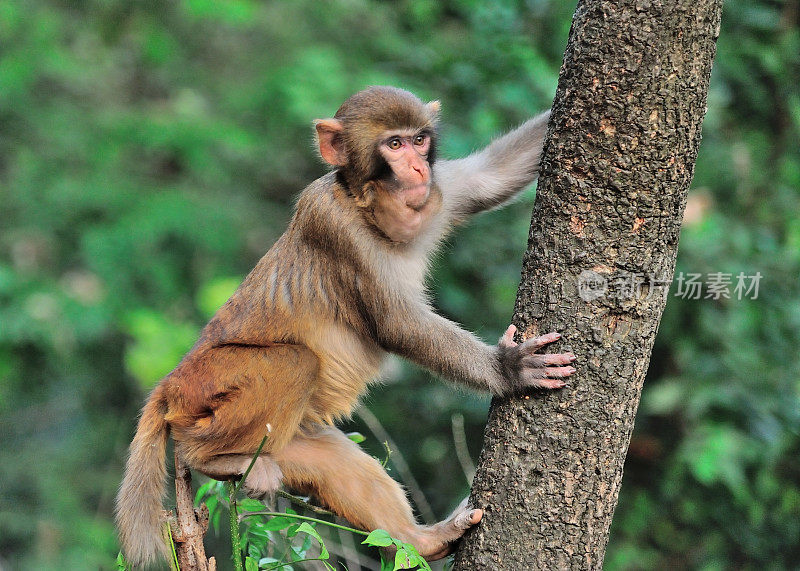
x,y
490,177
419,334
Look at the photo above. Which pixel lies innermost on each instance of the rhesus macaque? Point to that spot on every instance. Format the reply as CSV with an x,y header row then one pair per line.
x,y
299,341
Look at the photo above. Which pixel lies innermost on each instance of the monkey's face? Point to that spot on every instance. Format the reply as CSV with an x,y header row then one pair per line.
x,y
397,198
406,154
383,141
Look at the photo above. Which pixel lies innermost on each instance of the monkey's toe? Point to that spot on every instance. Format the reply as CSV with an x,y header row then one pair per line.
x,y
449,532
467,518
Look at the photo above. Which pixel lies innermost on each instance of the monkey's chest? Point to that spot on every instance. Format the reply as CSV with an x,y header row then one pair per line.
x,y
347,363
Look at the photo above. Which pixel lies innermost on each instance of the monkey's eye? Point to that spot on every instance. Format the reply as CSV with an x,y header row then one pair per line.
x,y
420,140
394,144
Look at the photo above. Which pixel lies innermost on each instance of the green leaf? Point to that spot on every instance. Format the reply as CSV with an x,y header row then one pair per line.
x,y
356,437
387,564
251,505
414,557
403,559
306,545
230,13
258,537
305,527
295,554
216,515
212,503
278,523
378,538
291,531
250,564
254,548
202,491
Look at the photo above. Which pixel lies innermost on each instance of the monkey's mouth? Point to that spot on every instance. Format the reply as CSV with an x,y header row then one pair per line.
x,y
416,196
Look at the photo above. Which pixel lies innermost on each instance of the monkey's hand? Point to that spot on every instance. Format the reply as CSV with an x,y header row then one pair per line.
x,y
523,368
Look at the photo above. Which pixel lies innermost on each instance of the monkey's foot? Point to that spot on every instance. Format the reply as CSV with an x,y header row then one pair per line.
x,y
439,540
264,479
262,482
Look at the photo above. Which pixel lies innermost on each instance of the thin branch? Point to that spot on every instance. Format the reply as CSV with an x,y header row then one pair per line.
x,y
460,442
253,460
236,542
400,463
305,518
304,503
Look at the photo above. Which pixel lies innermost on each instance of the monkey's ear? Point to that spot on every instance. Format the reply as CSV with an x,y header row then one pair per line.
x,y
434,107
330,141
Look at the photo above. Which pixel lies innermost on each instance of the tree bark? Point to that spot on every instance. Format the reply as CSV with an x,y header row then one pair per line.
x,y
189,524
623,140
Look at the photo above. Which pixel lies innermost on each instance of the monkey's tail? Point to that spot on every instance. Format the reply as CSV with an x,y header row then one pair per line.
x,y
139,501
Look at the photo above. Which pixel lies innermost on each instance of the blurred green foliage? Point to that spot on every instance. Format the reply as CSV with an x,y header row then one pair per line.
x,y
150,152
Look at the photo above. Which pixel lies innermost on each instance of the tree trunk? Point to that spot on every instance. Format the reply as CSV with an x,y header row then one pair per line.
x,y
623,141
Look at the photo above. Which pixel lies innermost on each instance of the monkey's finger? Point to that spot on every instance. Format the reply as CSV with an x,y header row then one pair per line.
x,y
546,384
507,340
535,343
558,372
547,377
547,359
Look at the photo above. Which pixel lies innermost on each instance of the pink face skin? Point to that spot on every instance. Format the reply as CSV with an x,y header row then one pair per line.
x,y
407,156
401,205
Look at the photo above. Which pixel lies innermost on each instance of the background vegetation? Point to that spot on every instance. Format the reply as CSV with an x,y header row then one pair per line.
x,y
150,153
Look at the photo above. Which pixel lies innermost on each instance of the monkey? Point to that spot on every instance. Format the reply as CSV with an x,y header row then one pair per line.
x,y
300,340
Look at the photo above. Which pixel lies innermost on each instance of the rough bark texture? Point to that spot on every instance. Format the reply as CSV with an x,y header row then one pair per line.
x,y
189,524
616,169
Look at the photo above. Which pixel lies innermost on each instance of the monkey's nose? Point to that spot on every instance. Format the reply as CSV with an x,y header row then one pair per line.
x,y
420,169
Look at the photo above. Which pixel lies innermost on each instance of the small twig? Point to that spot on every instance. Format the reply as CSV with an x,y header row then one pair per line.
x,y
173,562
305,518
280,564
460,442
236,540
304,503
388,453
253,459
233,490
400,463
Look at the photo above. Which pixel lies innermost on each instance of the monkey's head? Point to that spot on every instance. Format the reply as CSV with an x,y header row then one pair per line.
x,y
383,141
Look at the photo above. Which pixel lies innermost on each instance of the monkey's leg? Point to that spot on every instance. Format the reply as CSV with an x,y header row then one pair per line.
x,y
263,480
354,485
226,400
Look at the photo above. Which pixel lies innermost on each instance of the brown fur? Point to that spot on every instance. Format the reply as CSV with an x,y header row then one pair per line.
x,y
299,341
